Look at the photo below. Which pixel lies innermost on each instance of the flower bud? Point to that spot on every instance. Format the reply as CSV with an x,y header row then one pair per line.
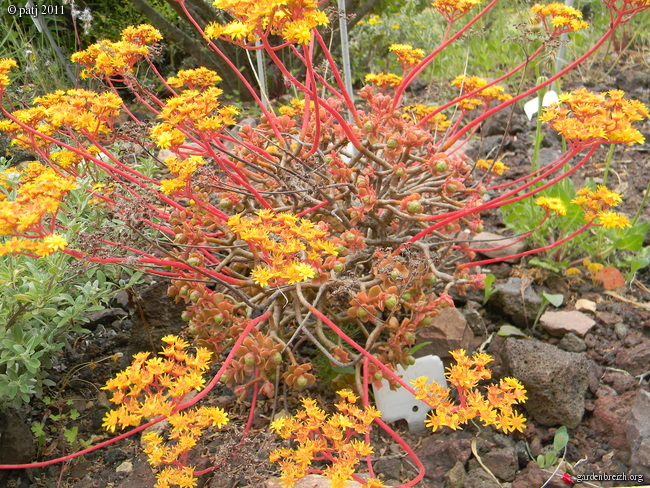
x,y
414,207
391,301
431,280
441,166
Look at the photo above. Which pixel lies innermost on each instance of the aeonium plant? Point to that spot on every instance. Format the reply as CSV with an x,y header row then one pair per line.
x,y
332,222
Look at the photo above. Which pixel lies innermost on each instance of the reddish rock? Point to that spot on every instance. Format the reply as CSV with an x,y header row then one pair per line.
x,y
635,360
533,476
447,331
621,382
609,415
638,434
560,323
440,453
501,462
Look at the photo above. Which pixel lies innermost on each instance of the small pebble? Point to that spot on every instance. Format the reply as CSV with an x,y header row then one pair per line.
x,y
572,343
125,467
621,330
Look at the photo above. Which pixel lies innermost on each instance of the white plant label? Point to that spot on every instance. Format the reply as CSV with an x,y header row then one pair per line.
x,y
532,106
400,404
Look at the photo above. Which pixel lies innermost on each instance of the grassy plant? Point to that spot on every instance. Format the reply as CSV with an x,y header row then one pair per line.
x,y
44,64
488,48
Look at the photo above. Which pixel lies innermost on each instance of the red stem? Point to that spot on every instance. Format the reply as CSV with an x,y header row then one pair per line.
x,y
429,59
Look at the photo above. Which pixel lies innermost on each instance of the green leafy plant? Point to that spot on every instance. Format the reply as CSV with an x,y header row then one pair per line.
x,y
489,290
622,247
55,426
555,452
548,298
43,301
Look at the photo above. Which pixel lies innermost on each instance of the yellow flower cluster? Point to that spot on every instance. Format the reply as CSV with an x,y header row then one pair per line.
x,y
5,66
384,80
183,169
327,436
372,20
186,429
563,17
407,55
25,197
296,107
45,247
468,84
438,122
283,241
192,78
83,111
156,386
495,408
192,108
596,204
66,158
552,204
496,167
106,58
454,9
587,118
291,19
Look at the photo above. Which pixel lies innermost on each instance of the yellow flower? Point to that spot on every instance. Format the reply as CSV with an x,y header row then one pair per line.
x,y
613,220
554,205
454,9
5,66
315,433
54,242
141,34
262,275
496,167
384,80
406,54
298,31
297,272
563,17
172,185
495,409
585,117
199,77
468,84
